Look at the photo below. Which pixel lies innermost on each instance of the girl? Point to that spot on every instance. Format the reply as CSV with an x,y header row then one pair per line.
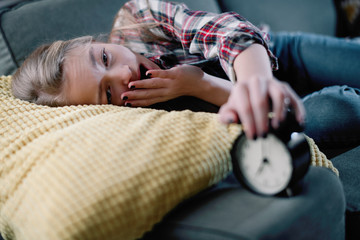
x,y
150,41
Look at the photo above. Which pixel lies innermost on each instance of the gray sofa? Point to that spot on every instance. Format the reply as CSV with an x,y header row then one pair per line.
x,y
226,211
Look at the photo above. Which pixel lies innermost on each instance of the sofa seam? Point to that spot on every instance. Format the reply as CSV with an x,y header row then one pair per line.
x,y
350,213
221,6
7,42
207,230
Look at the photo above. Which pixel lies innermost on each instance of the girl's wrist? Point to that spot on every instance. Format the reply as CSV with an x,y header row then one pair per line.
x,y
213,89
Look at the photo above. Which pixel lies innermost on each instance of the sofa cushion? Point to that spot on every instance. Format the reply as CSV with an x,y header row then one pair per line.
x,y
348,165
228,212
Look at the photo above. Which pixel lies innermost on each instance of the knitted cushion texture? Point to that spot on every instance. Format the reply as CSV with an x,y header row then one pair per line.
x,y
103,171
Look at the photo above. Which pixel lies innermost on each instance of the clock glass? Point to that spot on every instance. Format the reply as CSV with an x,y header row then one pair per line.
x,y
265,164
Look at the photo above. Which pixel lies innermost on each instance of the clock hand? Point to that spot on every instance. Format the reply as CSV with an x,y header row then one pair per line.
x,y
266,150
260,169
264,162
261,166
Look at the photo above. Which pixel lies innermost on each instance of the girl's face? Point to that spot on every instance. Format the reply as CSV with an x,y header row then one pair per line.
x,y
101,72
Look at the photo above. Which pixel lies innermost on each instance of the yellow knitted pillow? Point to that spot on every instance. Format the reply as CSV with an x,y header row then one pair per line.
x,y
103,172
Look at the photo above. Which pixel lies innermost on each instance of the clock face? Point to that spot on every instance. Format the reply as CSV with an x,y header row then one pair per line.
x,y
265,164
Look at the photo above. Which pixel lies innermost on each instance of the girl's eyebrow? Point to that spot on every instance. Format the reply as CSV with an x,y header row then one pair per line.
x,y
92,57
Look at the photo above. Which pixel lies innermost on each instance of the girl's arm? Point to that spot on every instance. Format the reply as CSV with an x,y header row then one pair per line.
x,y
255,88
187,34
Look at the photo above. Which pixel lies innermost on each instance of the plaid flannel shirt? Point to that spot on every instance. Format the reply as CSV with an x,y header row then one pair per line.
x,y
185,35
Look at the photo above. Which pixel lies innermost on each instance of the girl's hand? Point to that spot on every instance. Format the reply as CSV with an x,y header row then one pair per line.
x,y
251,101
164,85
184,80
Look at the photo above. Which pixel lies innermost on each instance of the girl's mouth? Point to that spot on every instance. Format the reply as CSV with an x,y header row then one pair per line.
x,y
143,71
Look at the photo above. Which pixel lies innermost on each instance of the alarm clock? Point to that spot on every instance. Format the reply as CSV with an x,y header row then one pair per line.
x,y
275,164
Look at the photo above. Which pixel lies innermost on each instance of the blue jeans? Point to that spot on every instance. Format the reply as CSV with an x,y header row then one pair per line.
x,y
325,71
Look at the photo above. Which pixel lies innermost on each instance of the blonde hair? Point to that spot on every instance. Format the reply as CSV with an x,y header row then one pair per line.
x,y
40,79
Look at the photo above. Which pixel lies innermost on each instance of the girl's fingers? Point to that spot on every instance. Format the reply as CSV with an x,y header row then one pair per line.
x,y
283,97
258,92
161,73
145,93
228,115
251,103
246,113
298,106
277,96
239,103
150,83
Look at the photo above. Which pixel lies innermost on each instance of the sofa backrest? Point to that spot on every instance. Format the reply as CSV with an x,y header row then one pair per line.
x,y
315,16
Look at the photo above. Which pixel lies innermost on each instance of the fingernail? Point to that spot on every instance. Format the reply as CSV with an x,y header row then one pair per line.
x,y
302,125
132,87
148,74
230,120
125,98
128,104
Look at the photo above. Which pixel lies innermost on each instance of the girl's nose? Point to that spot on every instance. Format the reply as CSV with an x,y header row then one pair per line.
x,y
121,74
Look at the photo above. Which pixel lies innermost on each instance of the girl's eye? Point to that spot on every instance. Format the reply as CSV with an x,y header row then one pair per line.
x,y
108,96
104,58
